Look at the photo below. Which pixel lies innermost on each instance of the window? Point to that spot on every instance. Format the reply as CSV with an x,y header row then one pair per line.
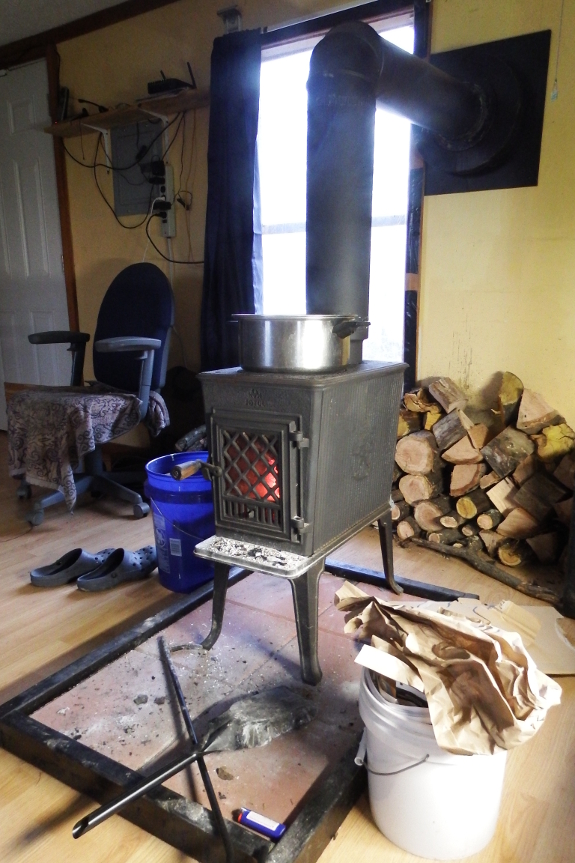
x,y
282,175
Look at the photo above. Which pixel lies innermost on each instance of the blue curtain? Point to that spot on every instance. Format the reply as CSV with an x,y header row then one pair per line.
x,y
229,243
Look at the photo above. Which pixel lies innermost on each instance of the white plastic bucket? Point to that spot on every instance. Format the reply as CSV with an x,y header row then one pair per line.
x,y
428,802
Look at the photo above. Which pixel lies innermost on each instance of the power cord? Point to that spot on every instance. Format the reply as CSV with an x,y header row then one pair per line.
x,y
144,150
108,204
165,257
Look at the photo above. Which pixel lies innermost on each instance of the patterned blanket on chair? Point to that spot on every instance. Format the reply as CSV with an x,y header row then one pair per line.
x,y
50,430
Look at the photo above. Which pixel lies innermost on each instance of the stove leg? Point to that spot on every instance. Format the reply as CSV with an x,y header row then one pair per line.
x,y
221,571
305,601
386,543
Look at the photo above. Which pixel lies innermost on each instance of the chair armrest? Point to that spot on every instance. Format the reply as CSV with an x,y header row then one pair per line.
x,y
130,343
77,342
58,337
146,347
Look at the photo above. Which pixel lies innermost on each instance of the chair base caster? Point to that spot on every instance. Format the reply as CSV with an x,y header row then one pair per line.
x,y
141,510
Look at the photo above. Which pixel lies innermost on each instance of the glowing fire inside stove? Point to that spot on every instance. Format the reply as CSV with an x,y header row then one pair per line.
x,y
254,473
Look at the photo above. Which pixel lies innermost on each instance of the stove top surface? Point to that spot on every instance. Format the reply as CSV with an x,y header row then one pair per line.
x,y
368,368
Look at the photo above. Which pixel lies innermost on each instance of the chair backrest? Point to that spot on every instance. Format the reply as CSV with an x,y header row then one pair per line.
x,y
139,302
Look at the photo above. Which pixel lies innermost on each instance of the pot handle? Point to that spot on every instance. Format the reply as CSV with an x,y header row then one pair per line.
x,y
345,328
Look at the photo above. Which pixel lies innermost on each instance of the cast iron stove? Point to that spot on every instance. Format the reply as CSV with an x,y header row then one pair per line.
x,y
300,463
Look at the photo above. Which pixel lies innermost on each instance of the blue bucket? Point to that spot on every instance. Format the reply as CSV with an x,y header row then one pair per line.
x,y
183,514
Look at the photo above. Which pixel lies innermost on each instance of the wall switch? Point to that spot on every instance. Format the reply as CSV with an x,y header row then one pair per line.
x,y
168,219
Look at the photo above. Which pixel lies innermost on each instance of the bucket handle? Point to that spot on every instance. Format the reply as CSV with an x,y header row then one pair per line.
x,y
361,759
395,772
171,523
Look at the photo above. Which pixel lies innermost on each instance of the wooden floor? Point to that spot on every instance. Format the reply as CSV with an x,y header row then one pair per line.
x,y
43,630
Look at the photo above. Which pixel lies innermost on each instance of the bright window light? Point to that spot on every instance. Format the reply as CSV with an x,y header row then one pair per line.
x,y
282,143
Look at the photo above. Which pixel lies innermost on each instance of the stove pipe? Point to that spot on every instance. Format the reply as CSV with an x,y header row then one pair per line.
x,y
351,69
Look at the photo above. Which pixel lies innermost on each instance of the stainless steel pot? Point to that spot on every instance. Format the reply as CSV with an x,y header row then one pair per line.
x,y
296,343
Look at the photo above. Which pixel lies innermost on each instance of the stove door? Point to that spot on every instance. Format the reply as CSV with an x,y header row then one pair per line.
x,y
259,491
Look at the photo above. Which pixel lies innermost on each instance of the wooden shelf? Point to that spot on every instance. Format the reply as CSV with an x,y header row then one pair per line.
x,y
163,104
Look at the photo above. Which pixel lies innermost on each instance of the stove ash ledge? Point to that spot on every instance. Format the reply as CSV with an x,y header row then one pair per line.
x,y
256,557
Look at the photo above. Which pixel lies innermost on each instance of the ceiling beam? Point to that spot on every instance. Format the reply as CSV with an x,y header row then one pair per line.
x,y
33,47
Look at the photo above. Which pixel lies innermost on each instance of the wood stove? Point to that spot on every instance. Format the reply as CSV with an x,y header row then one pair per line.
x,y
299,463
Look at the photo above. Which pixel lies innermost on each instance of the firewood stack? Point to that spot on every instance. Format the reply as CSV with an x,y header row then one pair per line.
x,y
498,482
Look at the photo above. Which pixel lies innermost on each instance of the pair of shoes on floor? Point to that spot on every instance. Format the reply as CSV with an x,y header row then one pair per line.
x,y
101,571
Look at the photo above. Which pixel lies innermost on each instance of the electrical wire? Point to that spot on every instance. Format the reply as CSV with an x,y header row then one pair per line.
x,y
110,166
165,153
165,257
108,204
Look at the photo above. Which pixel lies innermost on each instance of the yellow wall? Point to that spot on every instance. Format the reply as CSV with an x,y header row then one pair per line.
x,y
498,267
112,66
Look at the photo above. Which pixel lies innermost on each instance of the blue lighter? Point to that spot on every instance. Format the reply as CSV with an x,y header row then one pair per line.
x,y
260,823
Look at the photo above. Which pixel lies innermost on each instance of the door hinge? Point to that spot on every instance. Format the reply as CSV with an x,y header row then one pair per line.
x,y
299,525
300,441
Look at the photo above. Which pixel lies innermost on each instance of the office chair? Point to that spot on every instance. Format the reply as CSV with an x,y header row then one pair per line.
x,y
130,356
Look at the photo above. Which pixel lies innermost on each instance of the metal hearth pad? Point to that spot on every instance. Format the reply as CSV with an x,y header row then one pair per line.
x,y
183,823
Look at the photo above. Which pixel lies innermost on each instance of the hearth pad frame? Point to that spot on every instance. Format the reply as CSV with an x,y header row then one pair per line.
x,y
182,823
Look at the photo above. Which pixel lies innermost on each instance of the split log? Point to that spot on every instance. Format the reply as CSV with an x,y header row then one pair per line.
x,y
448,394
428,513
463,452
563,511
469,529
502,495
407,528
506,451
519,524
487,567
417,453
407,423
538,495
490,519
473,504
400,510
431,417
464,478
451,428
554,441
525,469
509,397
491,541
445,537
535,413
479,435
565,472
418,402
488,480
451,519
545,547
513,552
416,487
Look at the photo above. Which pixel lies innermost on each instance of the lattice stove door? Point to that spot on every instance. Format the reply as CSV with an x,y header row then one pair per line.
x,y
259,490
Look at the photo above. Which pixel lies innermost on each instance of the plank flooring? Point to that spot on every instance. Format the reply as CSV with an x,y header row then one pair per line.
x,y
43,630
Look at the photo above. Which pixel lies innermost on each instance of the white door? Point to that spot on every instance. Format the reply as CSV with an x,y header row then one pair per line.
x,y
32,288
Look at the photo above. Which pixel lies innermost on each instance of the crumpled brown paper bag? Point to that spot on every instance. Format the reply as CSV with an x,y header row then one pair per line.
x,y
482,687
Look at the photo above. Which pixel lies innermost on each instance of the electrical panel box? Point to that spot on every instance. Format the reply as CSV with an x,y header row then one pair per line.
x,y
137,152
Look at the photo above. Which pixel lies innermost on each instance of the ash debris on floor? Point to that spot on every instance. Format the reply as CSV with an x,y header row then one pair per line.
x,y
128,712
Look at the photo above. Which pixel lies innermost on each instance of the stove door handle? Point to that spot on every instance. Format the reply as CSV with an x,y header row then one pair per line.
x,y
210,471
